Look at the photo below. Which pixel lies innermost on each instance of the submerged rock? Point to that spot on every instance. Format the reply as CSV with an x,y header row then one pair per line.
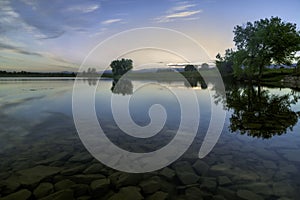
x,y
56,157
167,173
259,188
209,184
100,186
43,190
188,178
80,189
248,195
10,185
63,184
83,157
94,169
120,179
185,173
149,186
33,176
60,195
20,195
201,167
73,170
220,168
224,180
128,193
86,178
283,189
227,193
193,193
158,196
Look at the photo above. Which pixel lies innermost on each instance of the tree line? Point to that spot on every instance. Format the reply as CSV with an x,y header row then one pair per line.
x,y
258,45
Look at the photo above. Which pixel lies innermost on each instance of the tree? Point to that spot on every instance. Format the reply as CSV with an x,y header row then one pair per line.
x,y
204,66
298,68
225,64
190,68
264,42
120,67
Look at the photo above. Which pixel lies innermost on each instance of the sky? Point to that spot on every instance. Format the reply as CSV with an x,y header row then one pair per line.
x,y
57,35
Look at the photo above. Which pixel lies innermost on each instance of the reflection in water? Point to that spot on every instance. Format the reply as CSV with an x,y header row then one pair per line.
x,y
192,81
122,86
91,81
39,146
259,113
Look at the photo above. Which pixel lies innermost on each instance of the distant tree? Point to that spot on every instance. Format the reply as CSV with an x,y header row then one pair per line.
x,y
264,42
204,66
190,68
91,71
120,67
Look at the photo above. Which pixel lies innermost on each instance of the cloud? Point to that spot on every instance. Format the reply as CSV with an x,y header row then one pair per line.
x,y
84,8
183,14
47,19
182,10
8,47
44,37
9,19
182,7
111,21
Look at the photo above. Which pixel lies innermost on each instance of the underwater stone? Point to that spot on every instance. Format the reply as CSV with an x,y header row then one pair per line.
x,y
20,195
43,190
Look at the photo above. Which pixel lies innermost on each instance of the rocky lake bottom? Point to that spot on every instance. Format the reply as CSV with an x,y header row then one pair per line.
x,y
50,162
57,166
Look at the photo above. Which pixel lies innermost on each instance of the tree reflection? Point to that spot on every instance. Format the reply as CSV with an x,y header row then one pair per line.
x,y
260,114
122,86
194,81
91,81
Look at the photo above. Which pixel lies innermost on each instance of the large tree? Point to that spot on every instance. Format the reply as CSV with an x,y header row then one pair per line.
x,y
264,42
120,67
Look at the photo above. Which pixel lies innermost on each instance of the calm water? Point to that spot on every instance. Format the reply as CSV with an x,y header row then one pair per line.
x,y
256,157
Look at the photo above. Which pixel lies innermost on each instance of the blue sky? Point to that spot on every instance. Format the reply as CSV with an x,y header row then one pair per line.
x,y
56,35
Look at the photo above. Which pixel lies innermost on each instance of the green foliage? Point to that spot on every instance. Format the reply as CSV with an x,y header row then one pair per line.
x,y
225,64
297,70
264,42
120,67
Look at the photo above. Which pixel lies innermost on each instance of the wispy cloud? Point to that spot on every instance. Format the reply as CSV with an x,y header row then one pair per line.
x,y
83,8
47,19
10,48
182,7
111,21
182,10
183,14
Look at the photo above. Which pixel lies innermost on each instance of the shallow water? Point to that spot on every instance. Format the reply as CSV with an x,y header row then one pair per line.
x,y
256,156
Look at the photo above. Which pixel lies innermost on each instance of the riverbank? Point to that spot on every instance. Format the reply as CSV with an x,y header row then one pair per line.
x,y
285,78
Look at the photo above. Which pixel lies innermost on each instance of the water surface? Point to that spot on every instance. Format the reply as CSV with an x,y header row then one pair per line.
x,y
256,156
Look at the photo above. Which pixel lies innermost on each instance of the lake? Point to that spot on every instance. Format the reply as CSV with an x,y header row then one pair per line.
x,y
42,155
